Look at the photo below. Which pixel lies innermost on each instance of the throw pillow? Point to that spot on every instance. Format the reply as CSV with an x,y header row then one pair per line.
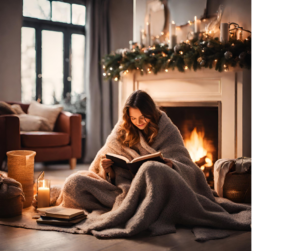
x,y
18,109
6,108
30,123
49,112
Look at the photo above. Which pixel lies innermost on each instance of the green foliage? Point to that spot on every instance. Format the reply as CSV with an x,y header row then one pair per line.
x,y
185,56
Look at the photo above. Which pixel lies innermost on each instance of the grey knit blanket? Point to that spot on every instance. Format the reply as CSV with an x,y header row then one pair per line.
x,y
157,198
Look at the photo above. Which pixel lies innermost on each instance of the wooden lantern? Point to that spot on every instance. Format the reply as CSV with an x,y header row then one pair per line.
x,y
20,164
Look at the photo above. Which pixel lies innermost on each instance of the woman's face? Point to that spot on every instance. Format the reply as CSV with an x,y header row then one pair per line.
x,y
137,118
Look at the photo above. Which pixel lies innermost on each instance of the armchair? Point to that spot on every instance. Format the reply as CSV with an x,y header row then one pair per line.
x,y
61,144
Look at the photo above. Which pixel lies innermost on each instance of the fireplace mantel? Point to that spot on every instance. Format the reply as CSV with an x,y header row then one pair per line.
x,y
232,89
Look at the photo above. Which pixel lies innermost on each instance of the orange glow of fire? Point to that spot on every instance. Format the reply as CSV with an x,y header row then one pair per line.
x,y
196,148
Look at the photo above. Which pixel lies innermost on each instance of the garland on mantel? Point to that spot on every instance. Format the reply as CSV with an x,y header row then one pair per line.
x,y
191,54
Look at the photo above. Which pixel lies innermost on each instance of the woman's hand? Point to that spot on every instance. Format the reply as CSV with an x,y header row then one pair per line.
x,y
168,162
105,167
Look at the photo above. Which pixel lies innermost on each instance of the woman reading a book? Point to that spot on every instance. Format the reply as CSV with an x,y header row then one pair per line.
x,y
139,114
156,197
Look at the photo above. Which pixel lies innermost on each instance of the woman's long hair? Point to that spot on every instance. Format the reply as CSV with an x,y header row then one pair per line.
x,y
128,133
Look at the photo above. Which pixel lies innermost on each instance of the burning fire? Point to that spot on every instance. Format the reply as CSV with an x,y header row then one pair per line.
x,y
196,146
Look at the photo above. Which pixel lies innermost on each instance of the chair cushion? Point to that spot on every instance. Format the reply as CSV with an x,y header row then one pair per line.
x,y
44,139
49,112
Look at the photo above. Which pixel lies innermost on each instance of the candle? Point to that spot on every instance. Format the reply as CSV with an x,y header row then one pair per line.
x,y
224,30
173,37
43,198
196,25
141,37
148,35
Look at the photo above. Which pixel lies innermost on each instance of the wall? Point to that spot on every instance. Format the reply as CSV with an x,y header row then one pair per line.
x,y
121,23
235,11
10,49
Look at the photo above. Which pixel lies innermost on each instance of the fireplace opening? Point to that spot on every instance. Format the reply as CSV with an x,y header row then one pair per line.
x,y
199,126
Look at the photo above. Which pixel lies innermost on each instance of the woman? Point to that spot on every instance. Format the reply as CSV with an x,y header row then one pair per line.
x,y
139,114
158,197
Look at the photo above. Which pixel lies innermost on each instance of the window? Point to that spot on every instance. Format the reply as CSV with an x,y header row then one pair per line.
x,y
53,47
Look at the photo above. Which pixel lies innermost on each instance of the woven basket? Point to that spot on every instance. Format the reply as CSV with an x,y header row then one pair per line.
x,y
237,187
20,166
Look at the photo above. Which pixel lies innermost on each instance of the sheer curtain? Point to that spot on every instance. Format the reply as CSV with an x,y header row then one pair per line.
x,y
100,96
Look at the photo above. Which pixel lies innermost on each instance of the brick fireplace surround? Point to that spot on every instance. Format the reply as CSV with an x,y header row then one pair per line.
x,y
230,91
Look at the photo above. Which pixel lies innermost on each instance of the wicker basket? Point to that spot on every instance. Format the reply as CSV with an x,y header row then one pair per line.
x,y
237,187
20,166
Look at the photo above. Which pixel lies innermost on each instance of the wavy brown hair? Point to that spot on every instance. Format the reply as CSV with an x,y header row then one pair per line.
x,y
128,133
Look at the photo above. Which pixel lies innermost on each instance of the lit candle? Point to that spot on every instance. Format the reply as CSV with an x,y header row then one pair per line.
x,y
224,31
173,37
43,198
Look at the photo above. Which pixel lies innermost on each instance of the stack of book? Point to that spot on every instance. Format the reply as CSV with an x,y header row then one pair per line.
x,y
60,216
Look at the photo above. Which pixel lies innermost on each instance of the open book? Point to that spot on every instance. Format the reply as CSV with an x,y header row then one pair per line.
x,y
135,164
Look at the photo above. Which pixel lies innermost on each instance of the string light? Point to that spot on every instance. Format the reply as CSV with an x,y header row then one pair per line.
x,y
142,70
149,72
189,22
104,74
216,60
111,68
232,44
181,52
116,79
103,66
166,70
108,74
186,67
162,33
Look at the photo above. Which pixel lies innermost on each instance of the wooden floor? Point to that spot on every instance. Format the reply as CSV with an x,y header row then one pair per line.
x,y
12,238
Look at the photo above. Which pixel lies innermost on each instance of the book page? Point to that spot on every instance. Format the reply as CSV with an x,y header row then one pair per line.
x,y
119,157
148,156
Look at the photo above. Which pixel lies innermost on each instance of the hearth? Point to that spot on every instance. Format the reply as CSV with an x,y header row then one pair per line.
x,y
199,125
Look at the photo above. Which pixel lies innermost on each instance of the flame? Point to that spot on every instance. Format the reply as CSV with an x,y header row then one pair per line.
x,y
196,148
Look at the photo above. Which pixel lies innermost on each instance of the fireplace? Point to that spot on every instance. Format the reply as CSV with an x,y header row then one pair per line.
x,y
199,125
219,102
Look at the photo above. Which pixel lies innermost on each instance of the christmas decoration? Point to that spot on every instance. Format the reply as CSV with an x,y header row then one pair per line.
x,y
228,54
193,54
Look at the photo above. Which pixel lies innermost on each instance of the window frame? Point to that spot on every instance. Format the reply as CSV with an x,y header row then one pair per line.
x,y
67,29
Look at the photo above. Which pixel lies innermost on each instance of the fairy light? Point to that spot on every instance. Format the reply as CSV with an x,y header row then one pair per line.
x,y
103,66
181,52
116,79
225,65
166,70
232,44
110,68
189,22
152,54
186,67
142,70
104,74
149,72
169,60
148,69
202,50
162,33
127,71
216,60
108,74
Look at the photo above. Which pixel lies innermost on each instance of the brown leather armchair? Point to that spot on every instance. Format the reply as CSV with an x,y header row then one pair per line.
x,y
61,144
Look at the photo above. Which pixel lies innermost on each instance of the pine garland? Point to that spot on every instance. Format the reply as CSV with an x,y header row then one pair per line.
x,y
191,54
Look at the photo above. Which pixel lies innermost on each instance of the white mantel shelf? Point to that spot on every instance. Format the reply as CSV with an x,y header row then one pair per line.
x,y
232,89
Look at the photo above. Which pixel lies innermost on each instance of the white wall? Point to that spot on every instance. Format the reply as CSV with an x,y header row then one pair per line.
x,y
10,50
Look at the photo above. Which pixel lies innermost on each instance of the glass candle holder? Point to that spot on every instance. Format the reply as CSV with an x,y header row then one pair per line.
x,y
43,193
